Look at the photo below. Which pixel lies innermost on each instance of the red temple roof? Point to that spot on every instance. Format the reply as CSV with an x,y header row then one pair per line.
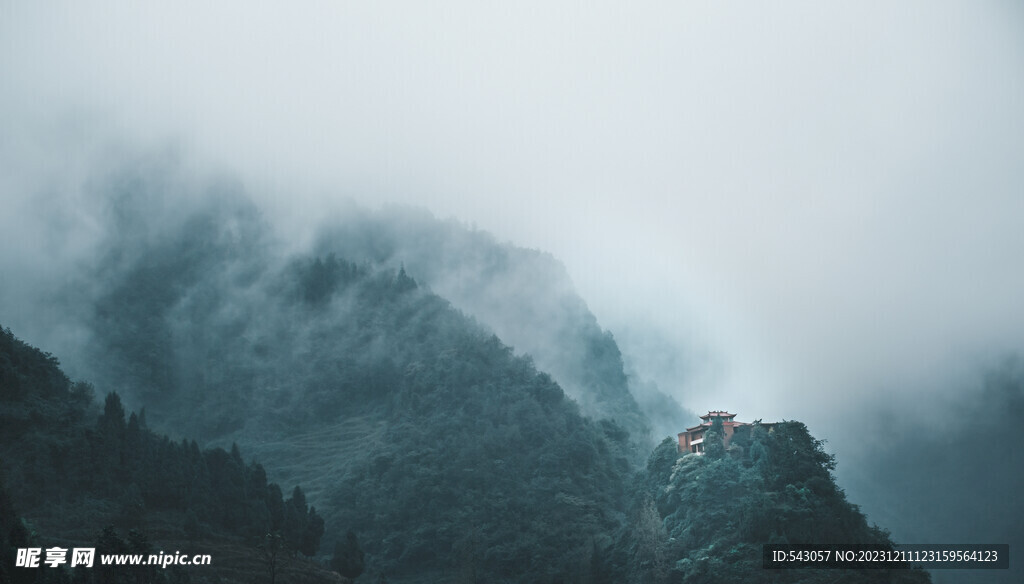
x,y
717,414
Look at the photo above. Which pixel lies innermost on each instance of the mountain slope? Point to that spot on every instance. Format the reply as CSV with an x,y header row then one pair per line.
x,y
451,456
704,519
79,479
524,295
374,392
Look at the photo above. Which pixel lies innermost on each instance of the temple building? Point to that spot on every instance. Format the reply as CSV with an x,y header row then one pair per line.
x,y
692,440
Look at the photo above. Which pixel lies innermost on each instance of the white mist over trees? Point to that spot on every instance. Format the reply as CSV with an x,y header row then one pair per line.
x,y
804,211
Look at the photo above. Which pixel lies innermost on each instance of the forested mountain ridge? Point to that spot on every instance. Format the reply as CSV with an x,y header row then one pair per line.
x,y
525,296
507,509
703,519
389,404
452,457
74,475
220,262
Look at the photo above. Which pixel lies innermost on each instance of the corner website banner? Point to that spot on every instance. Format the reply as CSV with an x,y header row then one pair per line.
x,y
882,557
58,556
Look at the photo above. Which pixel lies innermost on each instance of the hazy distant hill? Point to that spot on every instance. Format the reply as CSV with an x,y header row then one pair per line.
x,y
953,468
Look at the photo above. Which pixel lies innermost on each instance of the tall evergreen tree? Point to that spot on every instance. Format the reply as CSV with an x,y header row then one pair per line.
x,y
349,559
714,440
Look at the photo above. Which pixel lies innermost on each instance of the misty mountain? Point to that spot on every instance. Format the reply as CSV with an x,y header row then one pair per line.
x,y
418,428
451,454
484,502
953,469
525,296
159,266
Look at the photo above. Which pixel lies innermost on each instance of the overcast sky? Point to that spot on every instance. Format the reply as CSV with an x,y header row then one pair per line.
x,y
826,197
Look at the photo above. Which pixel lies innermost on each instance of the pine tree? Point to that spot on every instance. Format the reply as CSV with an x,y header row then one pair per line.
x,y
349,559
714,447
310,543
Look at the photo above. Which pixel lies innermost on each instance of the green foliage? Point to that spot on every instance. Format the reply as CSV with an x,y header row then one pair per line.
x,y
453,458
320,279
13,535
524,295
349,559
485,469
714,447
458,444
113,463
715,512
301,526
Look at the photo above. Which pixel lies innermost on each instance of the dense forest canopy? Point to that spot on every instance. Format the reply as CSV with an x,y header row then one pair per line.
x,y
89,476
427,447
452,458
